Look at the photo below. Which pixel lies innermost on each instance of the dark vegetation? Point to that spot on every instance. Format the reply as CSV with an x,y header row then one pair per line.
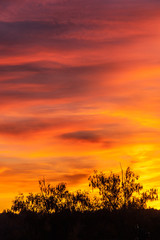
x,y
119,211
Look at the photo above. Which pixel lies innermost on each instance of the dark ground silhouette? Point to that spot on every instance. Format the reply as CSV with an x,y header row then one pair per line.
x,y
100,225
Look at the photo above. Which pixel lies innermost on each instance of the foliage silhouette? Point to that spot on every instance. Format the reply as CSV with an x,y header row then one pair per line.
x,y
52,200
109,189
115,192
118,212
119,193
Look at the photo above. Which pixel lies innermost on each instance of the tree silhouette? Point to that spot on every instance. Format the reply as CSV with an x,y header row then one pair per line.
x,y
132,191
52,200
109,189
115,192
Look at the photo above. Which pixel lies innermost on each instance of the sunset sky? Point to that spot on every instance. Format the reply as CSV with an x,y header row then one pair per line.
x,y
79,90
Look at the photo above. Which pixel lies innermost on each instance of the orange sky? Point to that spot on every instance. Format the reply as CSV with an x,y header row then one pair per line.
x,y
79,90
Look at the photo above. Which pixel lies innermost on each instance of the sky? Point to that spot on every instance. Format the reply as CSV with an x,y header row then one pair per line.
x,y
79,90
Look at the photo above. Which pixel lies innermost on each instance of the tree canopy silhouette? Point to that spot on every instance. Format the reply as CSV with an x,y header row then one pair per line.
x,y
121,192
115,192
52,200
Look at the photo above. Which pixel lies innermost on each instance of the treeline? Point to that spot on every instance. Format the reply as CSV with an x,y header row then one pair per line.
x,y
118,212
116,192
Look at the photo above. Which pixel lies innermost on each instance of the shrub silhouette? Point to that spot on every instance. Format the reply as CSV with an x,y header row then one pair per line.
x,y
115,192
